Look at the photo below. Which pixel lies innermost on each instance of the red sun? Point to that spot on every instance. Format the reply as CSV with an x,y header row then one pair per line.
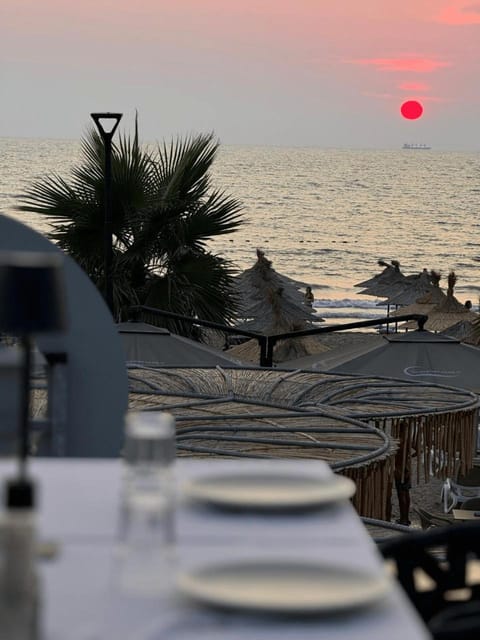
x,y
411,109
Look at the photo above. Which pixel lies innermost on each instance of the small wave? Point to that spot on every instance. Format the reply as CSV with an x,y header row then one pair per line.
x,y
345,303
354,315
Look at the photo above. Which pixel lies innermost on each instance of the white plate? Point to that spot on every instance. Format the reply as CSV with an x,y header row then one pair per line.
x,y
269,491
283,587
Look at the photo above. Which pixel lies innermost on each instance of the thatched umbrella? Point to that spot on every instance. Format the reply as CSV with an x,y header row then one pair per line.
x,y
415,287
465,331
390,275
425,303
249,351
390,281
445,313
271,303
450,311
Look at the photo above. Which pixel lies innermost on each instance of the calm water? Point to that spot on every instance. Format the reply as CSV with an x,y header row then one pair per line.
x,y
322,216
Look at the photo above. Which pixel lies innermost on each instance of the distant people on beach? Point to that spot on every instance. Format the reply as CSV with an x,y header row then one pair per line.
x,y
468,304
309,298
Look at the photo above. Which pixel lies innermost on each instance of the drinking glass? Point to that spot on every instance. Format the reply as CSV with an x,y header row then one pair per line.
x,y
147,536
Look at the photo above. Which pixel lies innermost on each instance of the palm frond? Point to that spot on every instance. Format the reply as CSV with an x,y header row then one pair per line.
x,y
164,211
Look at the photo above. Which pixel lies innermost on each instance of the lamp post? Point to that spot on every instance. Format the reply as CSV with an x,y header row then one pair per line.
x,y
107,135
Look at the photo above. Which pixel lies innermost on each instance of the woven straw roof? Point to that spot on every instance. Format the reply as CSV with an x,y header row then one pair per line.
x,y
423,409
464,331
355,395
270,302
413,288
448,312
424,304
390,275
246,414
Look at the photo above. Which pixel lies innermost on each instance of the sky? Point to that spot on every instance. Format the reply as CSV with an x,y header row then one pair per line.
x,y
326,73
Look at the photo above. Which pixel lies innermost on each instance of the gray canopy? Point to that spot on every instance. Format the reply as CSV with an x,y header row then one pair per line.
x,y
145,344
415,355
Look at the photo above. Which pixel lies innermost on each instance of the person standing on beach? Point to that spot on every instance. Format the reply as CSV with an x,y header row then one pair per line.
x,y
309,298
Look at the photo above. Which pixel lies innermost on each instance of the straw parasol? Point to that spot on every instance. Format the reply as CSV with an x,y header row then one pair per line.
x,y
249,352
416,287
390,275
445,313
450,311
465,331
397,288
425,303
271,302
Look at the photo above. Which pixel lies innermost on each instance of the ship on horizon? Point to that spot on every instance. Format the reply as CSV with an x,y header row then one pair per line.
x,y
415,146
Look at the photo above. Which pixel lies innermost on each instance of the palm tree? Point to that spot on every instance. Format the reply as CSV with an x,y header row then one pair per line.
x,y
164,212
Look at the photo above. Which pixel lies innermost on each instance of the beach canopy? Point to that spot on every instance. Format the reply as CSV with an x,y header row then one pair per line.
x,y
449,313
424,304
251,413
465,331
447,310
390,276
416,356
418,287
145,344
235,411
270,302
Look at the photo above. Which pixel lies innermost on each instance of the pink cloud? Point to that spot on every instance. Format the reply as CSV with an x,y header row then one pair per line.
x,y
460,13
415,65
414,86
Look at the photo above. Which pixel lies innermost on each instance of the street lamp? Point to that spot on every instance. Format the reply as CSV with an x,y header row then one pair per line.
x,y
107,133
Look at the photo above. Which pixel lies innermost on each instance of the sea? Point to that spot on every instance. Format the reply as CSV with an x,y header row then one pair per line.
x,y
324,217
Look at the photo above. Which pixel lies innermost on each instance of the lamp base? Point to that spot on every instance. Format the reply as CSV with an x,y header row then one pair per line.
x,y
20,494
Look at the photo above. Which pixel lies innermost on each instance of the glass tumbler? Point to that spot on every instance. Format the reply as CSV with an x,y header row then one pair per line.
x,y
147,535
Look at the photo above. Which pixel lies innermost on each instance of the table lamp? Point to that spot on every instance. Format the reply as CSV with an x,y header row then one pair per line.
x,y
31,302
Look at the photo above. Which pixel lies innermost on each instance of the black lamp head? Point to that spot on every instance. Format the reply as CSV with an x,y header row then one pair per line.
x,y
107,123
32,293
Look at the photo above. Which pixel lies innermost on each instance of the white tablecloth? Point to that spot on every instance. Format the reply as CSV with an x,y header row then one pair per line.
x,y
79,508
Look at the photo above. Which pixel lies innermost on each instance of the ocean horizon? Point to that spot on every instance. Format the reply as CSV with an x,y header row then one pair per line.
x,y
323,217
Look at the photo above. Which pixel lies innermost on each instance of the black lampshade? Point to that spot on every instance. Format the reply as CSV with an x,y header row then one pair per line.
x,y
32,293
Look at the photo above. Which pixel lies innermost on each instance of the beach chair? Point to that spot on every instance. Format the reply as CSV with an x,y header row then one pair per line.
x,y
455,492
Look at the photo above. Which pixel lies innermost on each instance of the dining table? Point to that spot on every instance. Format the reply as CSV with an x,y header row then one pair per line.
x,y
78,516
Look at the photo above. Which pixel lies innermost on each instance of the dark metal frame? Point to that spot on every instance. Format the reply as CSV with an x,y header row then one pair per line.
x,y
268,342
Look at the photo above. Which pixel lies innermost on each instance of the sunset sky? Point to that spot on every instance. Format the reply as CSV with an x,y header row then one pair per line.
x,y
276,72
